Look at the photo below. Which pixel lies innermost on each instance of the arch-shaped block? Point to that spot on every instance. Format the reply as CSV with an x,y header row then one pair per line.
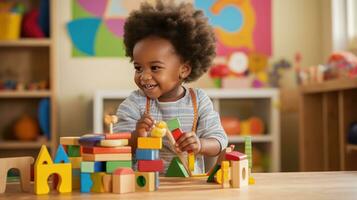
x,y
23,164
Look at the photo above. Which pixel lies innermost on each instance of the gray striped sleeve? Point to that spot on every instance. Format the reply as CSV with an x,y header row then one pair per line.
x,y
128,113
209,123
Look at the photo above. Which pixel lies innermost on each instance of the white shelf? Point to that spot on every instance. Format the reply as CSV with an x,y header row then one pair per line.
x,y
255,139
272,113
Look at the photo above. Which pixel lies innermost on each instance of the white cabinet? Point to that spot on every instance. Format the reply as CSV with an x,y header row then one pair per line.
x,y
242,103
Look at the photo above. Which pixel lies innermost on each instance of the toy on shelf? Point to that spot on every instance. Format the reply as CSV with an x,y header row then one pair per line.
x,y
241,70
26,128
23,164
250,126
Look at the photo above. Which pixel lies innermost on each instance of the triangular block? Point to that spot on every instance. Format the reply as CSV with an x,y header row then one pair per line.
x,y
176,169
43,156
61,155
214,171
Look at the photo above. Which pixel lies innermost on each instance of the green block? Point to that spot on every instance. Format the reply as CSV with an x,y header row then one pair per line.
x,y
211,176
111,166
176,169
173,124
74,151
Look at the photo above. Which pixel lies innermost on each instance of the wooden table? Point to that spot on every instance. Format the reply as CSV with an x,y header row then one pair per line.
x,y
313,185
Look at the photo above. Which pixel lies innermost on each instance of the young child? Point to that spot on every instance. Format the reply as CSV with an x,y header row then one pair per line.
x,y
170,45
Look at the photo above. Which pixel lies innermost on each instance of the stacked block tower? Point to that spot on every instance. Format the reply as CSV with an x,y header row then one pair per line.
x,y
147,156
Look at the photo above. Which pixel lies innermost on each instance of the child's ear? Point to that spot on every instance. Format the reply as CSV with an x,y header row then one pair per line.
x,y
185,71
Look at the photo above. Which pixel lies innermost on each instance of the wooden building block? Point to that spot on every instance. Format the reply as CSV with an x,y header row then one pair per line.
x,y
213,173
235,155
44,167
90,139
61,155
97,179
105,150
176,169
74,150
149,143
106,157
240,173
150,165
69,140
225,174
147,154
123,180
76,162
76,182
114,143
157,180
91,166
113,165
107,183
86,182
121,135
177,133
191,161
173,124
23,164
144,181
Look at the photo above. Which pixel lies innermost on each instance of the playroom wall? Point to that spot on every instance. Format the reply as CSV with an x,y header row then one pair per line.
x,y
297,27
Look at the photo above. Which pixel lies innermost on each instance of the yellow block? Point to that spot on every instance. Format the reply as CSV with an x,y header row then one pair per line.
x,y
114,143
225,174
149,142
97,179
10,26
144,181
191,162
76,162
44,167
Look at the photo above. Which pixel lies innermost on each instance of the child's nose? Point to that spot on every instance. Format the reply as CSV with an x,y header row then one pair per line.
x,y
146,76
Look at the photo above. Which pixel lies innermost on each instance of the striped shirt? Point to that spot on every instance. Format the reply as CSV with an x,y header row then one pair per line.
x,y
132,108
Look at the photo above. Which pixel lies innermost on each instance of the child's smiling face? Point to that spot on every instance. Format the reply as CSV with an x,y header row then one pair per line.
x,y
159,70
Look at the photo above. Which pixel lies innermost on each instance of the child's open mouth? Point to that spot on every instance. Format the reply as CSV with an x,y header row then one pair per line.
x,y
148,86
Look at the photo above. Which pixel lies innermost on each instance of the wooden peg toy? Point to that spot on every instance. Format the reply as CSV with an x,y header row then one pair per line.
x,y
110,120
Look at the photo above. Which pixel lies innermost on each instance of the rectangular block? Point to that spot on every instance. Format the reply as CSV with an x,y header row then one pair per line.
x,y
91,167
86,182
74,150
191,161
147,154
114,143
150,165
106,157
76,162
97,179
69,140
113,165
124,183
149,143
123,135
144,181
177,133
173,124
105,150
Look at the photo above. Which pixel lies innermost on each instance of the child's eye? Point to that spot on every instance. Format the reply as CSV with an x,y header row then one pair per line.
x,y
155,68
138,69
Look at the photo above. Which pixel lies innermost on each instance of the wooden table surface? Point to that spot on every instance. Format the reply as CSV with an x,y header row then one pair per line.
x,y
312,185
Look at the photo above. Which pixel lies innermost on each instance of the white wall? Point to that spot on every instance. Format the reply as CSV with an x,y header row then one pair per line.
x,y
296,27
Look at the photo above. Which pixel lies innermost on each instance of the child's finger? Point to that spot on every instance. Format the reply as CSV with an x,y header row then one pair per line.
x,y
149,122
184,137
187,142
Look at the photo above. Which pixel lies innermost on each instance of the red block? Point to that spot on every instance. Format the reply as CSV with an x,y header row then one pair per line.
x,y
150,165
105,150
235,155
114,136
177,133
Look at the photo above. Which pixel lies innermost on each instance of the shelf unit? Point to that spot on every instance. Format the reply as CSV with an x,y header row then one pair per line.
x,y
264,102
326,111
31,60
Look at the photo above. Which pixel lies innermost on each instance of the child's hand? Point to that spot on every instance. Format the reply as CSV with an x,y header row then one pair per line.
x,y
144,125
188,142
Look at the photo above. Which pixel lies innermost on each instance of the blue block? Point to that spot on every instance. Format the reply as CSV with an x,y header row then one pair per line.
x,y
86,182
90,140
92,166
61,155
147,154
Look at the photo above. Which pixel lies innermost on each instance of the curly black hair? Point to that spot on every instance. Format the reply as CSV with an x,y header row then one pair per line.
x,y
184,26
